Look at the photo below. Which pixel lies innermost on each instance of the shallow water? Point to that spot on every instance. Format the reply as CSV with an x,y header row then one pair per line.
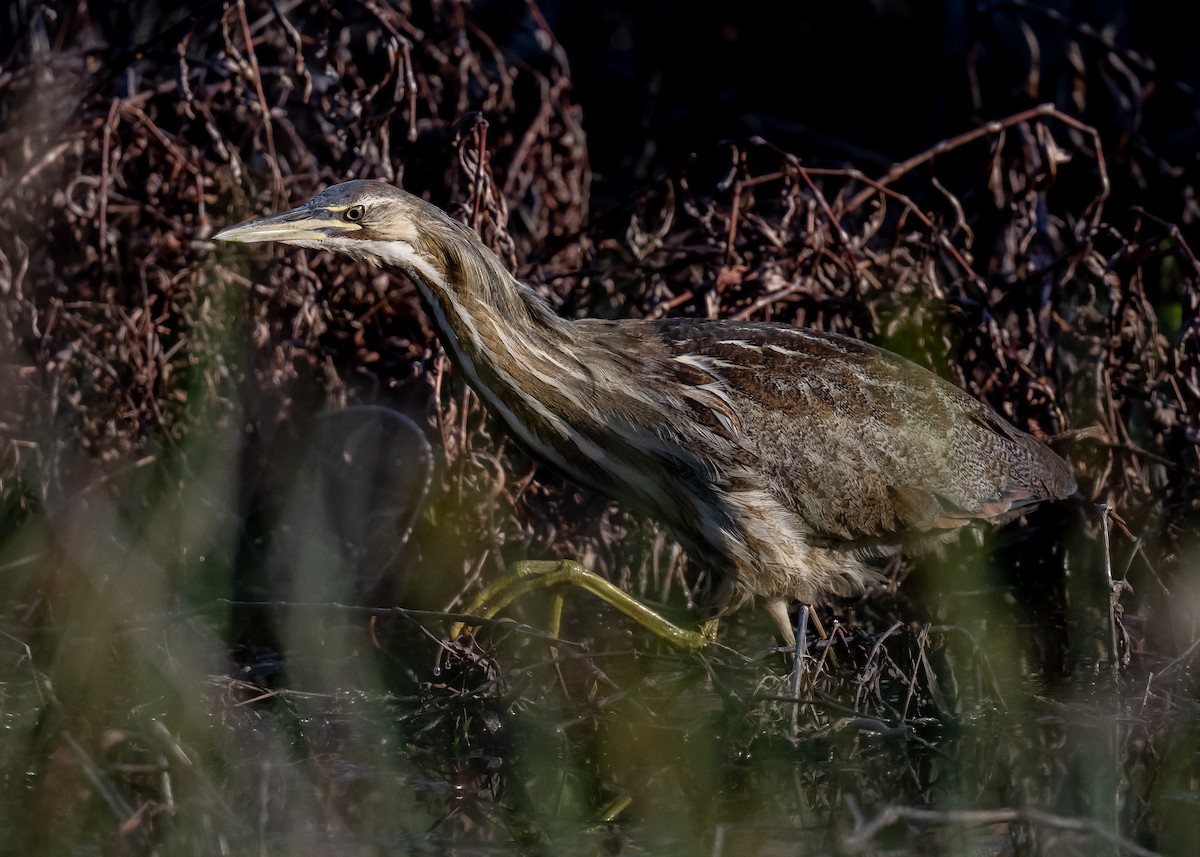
x,y
141,732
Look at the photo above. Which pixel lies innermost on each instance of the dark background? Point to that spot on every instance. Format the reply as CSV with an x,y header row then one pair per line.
x,y
870,84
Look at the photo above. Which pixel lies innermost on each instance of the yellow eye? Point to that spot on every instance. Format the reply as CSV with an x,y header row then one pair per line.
x,y
354,213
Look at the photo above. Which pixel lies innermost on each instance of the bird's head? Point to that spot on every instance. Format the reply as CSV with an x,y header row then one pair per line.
x,y
366,219
383,225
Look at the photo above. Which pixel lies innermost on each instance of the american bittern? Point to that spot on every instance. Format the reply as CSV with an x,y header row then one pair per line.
x,y
780,458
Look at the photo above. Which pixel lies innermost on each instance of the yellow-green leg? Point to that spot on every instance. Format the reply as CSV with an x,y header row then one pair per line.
x,y
532,575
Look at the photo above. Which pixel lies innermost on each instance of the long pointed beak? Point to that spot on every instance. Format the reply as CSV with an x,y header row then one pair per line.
x,y
303,224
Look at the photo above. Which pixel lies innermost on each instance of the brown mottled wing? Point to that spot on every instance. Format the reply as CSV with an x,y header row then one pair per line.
x,y
861,443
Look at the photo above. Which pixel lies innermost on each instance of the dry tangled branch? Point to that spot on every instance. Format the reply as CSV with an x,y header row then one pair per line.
x,y
124,331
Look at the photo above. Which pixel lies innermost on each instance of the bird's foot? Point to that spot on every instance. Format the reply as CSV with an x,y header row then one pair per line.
x,y
530,575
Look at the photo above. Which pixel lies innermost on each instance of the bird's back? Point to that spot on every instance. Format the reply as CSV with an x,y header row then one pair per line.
x,y
867,450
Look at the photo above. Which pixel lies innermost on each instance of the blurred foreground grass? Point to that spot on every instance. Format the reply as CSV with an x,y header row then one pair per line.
x,y
236,493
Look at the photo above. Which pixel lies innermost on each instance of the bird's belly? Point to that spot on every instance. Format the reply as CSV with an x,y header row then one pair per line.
x,y
756,546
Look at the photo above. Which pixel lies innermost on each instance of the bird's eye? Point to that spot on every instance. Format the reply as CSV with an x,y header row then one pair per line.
x,y
354,213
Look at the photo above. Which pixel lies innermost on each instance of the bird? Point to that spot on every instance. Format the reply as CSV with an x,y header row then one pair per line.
x,y
788,462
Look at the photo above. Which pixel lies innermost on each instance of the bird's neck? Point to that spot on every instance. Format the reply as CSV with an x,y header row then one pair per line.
x,y
512,348
536,372
485,317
